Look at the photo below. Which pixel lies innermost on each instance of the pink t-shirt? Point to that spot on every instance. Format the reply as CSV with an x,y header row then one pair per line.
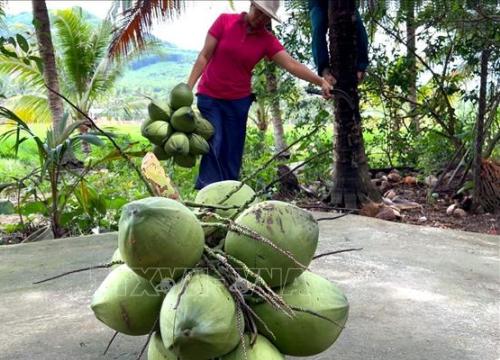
x,y
228,73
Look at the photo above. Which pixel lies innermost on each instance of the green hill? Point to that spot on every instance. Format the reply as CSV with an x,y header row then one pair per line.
x,y
151,75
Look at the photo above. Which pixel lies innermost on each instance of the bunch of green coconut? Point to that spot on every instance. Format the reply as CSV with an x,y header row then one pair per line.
x,y
176,128
249,296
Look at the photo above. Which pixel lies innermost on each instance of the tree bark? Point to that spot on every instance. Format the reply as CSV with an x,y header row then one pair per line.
x,y
351,179
412,62
276,119
479,139
46,48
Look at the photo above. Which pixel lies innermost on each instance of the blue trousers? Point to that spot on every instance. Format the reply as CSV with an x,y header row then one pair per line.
x,y
229,119
318,12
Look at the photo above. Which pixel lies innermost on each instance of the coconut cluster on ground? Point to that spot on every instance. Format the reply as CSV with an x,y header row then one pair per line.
x,y
176,129
248,295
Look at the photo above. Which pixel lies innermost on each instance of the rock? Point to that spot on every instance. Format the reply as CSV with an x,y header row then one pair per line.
x,y
384,178
404,204
422,219
459,213
376,182
430,180
410,180
391,194
435,195
387,213
387,201
370,209
394,177
384,186
454,210
450,209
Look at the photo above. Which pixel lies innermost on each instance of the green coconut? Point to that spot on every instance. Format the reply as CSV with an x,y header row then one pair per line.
x,y
177,144
159,111
215,193
157,351
262,349
203,127
198,145
159,238
288,227
186,161
181,95
204,325
160,153
145,124
157,132
127,302
183,120
322,316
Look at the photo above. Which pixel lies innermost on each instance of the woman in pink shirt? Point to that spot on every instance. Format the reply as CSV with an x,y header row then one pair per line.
x,y
235,43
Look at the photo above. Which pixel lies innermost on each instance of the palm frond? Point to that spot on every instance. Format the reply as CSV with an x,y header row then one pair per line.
x,y
137,21
20,72
74,34
31,108
3,25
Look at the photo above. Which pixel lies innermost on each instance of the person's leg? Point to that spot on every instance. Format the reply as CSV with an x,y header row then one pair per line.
x,y
210,169
235,113
318,12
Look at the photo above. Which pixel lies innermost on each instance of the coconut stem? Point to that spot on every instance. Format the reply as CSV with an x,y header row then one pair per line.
x,y
210,206
310,312
267,163
110,342
261,282
277,155
103,266
155,325
237,295
243,230
318,155
185,284
335,252
334,217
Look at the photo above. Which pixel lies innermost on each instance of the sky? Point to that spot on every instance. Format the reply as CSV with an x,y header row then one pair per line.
x,y
188,31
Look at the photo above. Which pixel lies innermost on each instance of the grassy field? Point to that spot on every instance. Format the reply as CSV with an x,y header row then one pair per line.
x,y
129,132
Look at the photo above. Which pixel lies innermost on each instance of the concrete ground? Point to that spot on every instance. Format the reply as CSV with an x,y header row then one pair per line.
x,y
415,293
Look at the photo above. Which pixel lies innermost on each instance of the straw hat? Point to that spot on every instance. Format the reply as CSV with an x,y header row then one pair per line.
x,y
269,7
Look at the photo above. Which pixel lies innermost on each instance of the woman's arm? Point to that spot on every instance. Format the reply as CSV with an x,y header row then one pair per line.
x,y
284,60
203,57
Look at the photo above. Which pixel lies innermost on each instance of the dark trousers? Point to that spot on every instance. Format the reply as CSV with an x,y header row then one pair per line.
x,y
318,12
229,119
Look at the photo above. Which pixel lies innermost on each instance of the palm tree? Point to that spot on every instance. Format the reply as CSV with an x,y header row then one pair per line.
x,y
351,181
46,48
86,72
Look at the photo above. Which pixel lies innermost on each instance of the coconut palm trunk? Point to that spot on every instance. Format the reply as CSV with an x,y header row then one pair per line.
x,y
351,181
412,61
480,197
276,118
46,48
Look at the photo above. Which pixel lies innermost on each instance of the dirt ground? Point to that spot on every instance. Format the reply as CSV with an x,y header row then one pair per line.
x,y
436,213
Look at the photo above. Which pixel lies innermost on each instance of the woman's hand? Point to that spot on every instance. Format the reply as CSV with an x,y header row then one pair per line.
x,y
284,60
